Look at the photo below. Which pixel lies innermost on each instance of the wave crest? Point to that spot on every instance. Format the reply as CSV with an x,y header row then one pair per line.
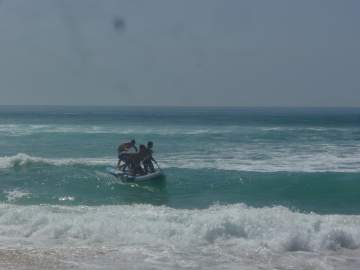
x,y
219,161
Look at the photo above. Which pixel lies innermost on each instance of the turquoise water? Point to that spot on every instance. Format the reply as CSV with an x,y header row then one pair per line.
x,y
246,185
304,159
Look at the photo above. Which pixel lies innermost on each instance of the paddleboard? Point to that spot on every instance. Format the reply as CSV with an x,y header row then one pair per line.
x,y
138,178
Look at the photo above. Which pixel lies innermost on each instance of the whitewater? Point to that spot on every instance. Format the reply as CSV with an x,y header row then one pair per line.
x,y
245,188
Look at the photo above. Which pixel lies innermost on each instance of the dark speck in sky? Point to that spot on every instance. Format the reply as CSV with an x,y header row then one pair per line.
x,y
119,24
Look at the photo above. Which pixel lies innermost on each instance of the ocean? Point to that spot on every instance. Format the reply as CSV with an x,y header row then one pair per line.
x,y
245,188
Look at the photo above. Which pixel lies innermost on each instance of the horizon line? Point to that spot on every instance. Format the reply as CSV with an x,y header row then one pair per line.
x,y
182,106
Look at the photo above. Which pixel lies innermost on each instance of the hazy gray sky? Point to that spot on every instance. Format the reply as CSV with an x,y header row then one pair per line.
x,y
180,52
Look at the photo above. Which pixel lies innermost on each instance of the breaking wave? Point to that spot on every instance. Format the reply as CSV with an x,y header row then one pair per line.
x,y
22,160
232,227
321,162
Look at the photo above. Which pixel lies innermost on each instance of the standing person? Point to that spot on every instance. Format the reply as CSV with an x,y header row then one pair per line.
x,y
123,153
134,161
147,162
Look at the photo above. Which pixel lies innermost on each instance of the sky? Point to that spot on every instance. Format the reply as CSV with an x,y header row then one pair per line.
x,y
180,52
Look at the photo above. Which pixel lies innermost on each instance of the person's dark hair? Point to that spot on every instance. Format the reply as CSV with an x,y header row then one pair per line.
x,y
150,144
133,141
142,147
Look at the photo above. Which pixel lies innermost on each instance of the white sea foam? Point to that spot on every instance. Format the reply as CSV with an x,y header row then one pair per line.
x,y
287,162
275,228
13,195
27,129
21,160
66,198
236,161
222,235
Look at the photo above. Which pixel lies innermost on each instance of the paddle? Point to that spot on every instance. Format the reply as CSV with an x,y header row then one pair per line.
x,y
157,164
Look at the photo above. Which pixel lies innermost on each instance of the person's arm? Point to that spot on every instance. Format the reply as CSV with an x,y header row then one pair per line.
x,y
135,148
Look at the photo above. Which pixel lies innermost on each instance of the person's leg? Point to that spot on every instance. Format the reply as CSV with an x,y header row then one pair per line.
x,y
120,157
140,170
146,166
151,166
132,167
125,159
125,166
